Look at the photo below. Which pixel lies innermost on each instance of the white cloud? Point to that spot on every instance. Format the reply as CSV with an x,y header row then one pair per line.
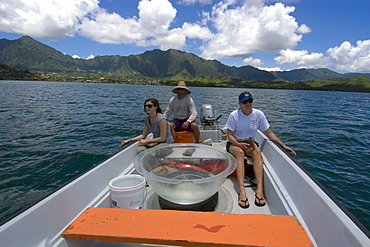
x,y
251,28
76,56
270,69
151,28
303,58
352,58
304,29
194,31
256,62
155,17
90,57
343,58
48,19
109,28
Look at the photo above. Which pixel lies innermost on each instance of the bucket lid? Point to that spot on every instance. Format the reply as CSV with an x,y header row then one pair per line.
x,y
127,182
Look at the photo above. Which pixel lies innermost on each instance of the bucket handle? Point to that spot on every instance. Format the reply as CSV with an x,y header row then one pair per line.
x,y
146,193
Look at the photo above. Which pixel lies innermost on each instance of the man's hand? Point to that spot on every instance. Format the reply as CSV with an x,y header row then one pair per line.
x,y
185,125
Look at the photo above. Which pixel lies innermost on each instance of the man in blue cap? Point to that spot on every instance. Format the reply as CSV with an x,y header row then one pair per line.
x,y
242,125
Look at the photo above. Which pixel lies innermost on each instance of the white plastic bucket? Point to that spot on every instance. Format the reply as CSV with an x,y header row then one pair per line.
x,y
127,191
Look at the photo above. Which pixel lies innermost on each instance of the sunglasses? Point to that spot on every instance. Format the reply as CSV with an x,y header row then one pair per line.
x,y
247,101
149,106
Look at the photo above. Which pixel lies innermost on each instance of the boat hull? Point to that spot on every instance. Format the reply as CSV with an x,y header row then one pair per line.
x,y
288,188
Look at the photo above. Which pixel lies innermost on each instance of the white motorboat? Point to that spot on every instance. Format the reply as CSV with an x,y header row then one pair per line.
x,y
290,192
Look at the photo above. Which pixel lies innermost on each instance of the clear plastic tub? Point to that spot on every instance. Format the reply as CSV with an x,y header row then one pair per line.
x,y
185,173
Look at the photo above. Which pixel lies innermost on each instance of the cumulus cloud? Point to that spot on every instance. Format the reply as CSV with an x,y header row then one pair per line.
x,y
270,69
303,58
343,58
304,29
110,28
250,28
351,58
48,19
194,31
256,62
152,27
155,17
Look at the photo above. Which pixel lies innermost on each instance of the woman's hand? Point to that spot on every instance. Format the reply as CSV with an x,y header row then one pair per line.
x,y
245,146
290,151
143,141
125,142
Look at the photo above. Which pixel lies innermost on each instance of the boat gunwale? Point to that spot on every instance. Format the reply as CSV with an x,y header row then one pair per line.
x,y
327,192
95,166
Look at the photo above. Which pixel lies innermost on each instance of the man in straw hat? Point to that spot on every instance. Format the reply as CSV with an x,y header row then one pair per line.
x,y
184,111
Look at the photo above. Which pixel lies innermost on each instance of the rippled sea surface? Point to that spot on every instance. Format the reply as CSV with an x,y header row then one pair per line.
x,y
51,132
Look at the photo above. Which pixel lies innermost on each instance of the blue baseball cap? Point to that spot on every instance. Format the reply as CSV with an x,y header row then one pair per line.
x,y
245,96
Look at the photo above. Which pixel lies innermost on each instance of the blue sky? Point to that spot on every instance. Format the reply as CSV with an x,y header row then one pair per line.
x,y
271,35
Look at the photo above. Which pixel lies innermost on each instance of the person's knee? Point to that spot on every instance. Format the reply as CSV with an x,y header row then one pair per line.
x,y
194,126
256,153
238,153
257,158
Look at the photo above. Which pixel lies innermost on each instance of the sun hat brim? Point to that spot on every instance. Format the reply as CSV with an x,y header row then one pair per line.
x,y
175,90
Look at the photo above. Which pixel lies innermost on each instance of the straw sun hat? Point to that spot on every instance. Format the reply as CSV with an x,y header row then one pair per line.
x,y
181,85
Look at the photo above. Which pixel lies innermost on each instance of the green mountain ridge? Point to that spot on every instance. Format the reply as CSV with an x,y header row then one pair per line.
x,y
26,53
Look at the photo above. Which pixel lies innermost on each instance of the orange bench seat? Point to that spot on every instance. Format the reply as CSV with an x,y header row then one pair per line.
x,y
187,228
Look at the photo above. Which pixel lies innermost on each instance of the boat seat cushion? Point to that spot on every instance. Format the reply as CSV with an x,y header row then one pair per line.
x,y
187,228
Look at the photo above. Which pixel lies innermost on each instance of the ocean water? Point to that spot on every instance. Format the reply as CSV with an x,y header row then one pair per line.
x,y
51,132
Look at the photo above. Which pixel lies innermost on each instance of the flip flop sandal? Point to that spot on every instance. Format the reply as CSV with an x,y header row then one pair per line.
x,y
259,199
245,201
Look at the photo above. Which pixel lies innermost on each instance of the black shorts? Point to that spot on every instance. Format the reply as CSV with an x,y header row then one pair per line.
x,y
228,144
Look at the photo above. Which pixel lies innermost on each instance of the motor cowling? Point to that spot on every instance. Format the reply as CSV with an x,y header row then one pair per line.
x,y
207,116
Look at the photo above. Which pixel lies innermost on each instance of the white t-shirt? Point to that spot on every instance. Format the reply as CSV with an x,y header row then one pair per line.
x,y
246,126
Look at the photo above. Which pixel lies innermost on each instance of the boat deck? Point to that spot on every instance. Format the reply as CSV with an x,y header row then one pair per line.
x,y
227,203
228,193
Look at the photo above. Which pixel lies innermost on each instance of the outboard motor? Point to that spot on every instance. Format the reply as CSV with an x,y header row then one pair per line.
x,y
207,117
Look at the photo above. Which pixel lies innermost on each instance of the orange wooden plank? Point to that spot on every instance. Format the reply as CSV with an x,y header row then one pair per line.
x,y
187,228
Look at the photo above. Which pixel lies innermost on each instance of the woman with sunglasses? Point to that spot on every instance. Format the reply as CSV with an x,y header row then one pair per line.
x,y
242,125
155,123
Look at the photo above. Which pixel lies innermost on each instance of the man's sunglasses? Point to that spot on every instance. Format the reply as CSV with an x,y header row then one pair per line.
x,y
149,106
247,101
